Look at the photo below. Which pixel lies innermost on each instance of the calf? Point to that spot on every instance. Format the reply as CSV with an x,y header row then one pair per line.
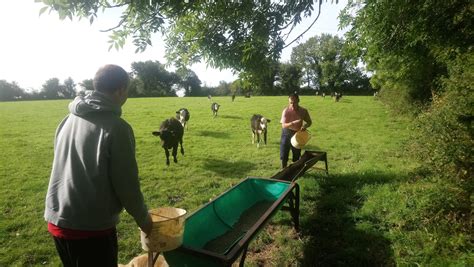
x,y
215,108
171,133
258,124
183,116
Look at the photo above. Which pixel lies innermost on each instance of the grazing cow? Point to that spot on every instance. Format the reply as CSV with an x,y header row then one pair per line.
x,y
215,108
183,116
171,133
209,97
324,95
337,97
258,124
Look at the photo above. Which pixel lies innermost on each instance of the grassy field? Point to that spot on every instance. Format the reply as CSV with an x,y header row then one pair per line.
x,y
343,215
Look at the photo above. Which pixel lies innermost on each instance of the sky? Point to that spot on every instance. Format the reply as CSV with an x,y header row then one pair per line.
x,y
36,48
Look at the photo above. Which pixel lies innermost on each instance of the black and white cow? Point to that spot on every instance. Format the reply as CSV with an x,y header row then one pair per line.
x,y
183,116
171,134
258,124
215,108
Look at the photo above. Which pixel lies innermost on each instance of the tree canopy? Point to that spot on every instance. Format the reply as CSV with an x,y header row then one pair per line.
x,y
327,67
245,35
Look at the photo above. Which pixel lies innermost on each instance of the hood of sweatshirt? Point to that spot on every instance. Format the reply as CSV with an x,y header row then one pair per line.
x,y
93,102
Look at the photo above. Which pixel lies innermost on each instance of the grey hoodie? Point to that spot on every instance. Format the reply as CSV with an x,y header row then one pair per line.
x,y
94,174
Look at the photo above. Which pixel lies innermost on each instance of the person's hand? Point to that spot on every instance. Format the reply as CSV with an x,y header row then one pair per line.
x,y
295,122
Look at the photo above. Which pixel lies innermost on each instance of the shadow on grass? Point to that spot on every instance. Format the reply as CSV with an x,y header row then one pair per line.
x,y
232,117
213,134
229,169
345,100
334,238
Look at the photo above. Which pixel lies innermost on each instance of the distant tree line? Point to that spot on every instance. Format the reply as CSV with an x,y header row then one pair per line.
x,y
318,65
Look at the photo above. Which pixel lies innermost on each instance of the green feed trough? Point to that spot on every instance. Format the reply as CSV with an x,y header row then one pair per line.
x,y
219,232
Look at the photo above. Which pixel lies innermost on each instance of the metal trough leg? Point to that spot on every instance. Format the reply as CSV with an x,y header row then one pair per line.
x,y
152,258
294,206
296,216
244,254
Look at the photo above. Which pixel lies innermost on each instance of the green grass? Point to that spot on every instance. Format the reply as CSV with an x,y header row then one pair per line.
x,y
362,214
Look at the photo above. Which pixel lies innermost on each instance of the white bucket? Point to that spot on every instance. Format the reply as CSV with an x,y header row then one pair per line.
x,y
167,231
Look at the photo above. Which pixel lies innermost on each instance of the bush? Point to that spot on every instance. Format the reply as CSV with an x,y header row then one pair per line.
x,y
443,140
444,134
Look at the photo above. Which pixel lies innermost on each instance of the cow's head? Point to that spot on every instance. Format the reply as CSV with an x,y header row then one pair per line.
x,y
166,136
263,122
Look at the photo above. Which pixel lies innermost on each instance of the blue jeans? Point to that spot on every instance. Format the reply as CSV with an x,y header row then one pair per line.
x,y
285,146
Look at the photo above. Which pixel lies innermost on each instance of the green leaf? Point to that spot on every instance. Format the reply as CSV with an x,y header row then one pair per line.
x,y
43,9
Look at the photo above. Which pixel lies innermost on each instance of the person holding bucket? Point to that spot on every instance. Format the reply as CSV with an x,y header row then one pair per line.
x,y
294,118
94,175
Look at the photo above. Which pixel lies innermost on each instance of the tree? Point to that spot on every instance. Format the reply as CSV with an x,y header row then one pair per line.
x,y
10,91
325,65
247,36
408,53
51,89
190,82
306,57
290,76
69,88
87,85
156,80
223,88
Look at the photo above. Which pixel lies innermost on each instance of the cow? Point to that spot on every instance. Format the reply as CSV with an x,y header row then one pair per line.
x,y
258,124
215,108
183,116
337,97
171,134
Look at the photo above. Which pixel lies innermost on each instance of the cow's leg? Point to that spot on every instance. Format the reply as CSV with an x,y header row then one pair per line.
x,y
175,152
258,138
181,144
167,153
253,137
265,136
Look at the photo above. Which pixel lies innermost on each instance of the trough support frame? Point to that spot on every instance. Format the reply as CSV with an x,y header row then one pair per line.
x,y
152,257
244,255
294,206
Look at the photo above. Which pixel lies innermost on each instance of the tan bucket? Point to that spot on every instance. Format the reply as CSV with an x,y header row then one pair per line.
x,y
300,139
167,231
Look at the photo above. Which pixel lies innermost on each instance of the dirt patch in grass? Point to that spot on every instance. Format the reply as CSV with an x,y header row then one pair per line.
x,y
266,250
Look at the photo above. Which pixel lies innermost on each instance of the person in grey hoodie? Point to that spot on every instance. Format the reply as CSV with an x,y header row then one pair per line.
x,y
94,175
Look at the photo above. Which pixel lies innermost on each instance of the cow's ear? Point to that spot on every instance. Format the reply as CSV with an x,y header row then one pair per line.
x,y
156,133
177,112
268,120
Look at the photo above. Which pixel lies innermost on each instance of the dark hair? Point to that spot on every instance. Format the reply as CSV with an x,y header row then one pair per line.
x,y
110,78
295,96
